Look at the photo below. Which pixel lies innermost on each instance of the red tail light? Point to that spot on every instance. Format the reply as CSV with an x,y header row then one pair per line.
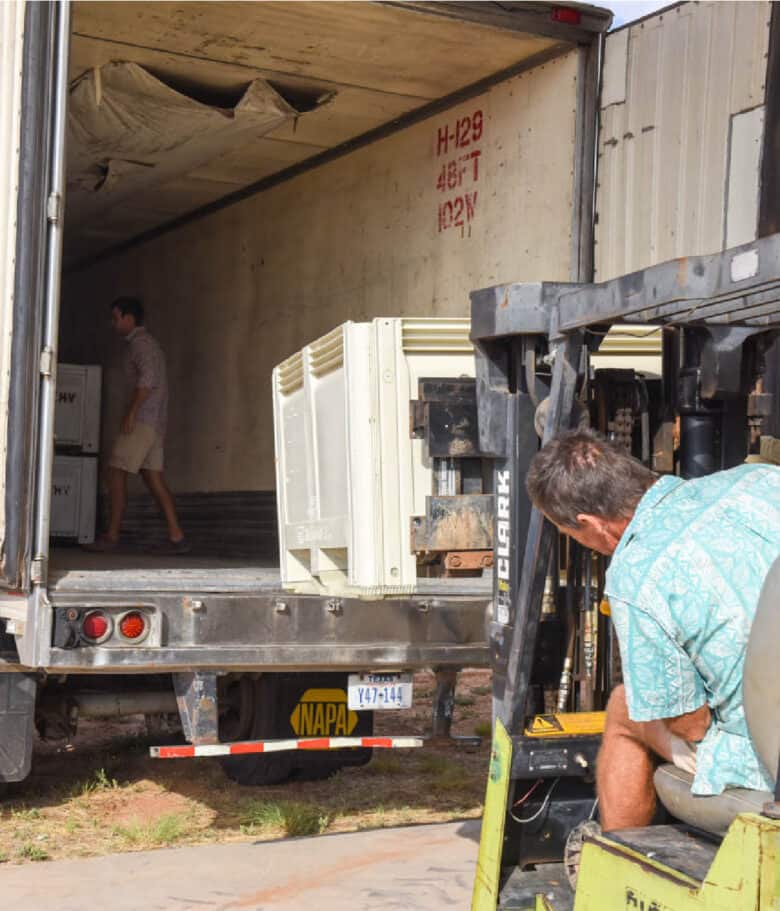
x,y
96,626
566,15
132,625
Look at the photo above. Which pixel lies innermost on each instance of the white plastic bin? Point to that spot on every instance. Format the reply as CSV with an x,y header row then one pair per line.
x,y
349,477
74,497
77,411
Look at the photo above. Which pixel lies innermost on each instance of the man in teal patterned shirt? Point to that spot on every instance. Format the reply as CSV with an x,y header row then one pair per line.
x,y
688,562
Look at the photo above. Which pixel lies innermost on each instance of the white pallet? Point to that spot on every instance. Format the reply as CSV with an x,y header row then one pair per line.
x,y
349,478
74,498
77,412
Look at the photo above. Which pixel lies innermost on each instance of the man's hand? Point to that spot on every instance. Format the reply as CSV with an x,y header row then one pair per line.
x,y
140,395
692,726
128,422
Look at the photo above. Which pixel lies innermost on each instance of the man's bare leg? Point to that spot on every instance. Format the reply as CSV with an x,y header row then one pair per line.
x,y
159,490
117,487
627,760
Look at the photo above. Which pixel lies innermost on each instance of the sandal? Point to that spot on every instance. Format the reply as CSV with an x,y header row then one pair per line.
x,y
172,548
102,545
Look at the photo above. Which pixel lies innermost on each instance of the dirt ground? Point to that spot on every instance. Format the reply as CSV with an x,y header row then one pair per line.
x,y
103,794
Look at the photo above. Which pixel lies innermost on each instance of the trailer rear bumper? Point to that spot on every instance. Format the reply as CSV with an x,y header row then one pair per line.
x,y
245,632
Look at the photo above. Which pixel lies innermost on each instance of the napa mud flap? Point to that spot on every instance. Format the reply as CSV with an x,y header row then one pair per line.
x,y
315,705
17,720
291,707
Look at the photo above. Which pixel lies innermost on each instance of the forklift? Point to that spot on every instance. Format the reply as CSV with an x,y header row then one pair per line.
x,y
555,657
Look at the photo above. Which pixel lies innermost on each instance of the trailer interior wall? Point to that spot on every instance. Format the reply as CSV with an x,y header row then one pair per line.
x,y
681,134
391,229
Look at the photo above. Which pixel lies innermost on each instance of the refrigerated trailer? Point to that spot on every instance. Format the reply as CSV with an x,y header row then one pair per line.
x,y
259,174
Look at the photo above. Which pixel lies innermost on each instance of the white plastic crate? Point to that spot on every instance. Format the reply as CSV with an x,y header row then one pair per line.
x,y
77,411
349,477
73,498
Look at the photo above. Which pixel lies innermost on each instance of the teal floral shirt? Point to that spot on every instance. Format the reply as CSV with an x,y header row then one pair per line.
x,y
683,587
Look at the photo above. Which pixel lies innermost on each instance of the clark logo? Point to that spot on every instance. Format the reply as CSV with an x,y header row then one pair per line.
x,y
323,713
503,494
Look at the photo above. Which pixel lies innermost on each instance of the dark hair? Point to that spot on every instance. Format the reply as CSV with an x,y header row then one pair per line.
x,y
580,472
132,306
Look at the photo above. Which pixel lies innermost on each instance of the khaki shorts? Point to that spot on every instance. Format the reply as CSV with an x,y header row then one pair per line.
x,y
143,448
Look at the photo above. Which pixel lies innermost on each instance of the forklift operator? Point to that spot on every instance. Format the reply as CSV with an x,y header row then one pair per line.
x,y
688,562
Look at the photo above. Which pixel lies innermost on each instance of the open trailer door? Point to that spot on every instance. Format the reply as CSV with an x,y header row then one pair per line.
x,y
32,38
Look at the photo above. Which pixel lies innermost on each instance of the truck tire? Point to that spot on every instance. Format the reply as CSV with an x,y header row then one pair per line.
x,y
17,725
261,699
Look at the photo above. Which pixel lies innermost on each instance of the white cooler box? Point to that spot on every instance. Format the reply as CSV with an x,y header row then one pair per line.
x,y
74,498
349,477
77,412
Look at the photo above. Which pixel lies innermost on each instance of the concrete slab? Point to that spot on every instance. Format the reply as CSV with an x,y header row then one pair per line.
x,y
419,868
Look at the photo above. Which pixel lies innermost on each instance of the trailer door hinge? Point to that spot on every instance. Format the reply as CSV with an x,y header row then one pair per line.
x,y
47,361
54,208
38,570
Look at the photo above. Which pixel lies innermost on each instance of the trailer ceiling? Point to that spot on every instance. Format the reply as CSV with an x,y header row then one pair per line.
x,y
348,67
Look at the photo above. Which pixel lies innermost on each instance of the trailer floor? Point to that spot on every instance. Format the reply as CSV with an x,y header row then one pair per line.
x,y
74,569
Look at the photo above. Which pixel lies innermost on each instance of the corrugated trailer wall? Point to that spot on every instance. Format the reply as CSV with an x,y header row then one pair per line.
x,y
682,125
11,35
379,232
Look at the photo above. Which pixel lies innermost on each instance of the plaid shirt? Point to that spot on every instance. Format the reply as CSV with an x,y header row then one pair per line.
x,y
145,369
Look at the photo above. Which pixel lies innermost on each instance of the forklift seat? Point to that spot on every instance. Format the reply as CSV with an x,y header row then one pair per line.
x,y
761,695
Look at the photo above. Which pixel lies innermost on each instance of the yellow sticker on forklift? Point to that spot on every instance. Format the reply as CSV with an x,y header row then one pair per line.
x,y
323,713
566,724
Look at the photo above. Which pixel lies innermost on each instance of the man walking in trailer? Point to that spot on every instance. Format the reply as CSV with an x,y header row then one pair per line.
x,y
139,445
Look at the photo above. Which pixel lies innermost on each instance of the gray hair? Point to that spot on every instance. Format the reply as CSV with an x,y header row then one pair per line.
x,y
581,473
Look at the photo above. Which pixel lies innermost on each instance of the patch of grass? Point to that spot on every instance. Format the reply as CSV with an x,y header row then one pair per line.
x,y
386,764
99,781
381,817
483,729
162,831
32,852
305,819
26,813
464,700
295,818
431,764
447,776
3,858
482,690
261,815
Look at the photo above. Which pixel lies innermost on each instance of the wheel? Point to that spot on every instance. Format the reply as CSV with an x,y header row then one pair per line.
x,y
253,713
319,766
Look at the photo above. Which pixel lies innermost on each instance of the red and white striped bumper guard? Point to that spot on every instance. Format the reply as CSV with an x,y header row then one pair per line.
x,y
278,746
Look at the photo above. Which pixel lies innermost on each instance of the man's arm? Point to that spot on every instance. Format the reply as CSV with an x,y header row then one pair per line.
x,y
140,395
692,726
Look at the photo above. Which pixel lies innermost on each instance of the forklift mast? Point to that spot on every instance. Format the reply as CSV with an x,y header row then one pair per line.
x,y
554,656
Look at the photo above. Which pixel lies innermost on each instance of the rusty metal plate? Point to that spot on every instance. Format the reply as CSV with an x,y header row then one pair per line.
x,y
454,524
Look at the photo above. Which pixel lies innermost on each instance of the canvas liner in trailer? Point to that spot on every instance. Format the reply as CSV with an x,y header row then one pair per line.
x,y
258,174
